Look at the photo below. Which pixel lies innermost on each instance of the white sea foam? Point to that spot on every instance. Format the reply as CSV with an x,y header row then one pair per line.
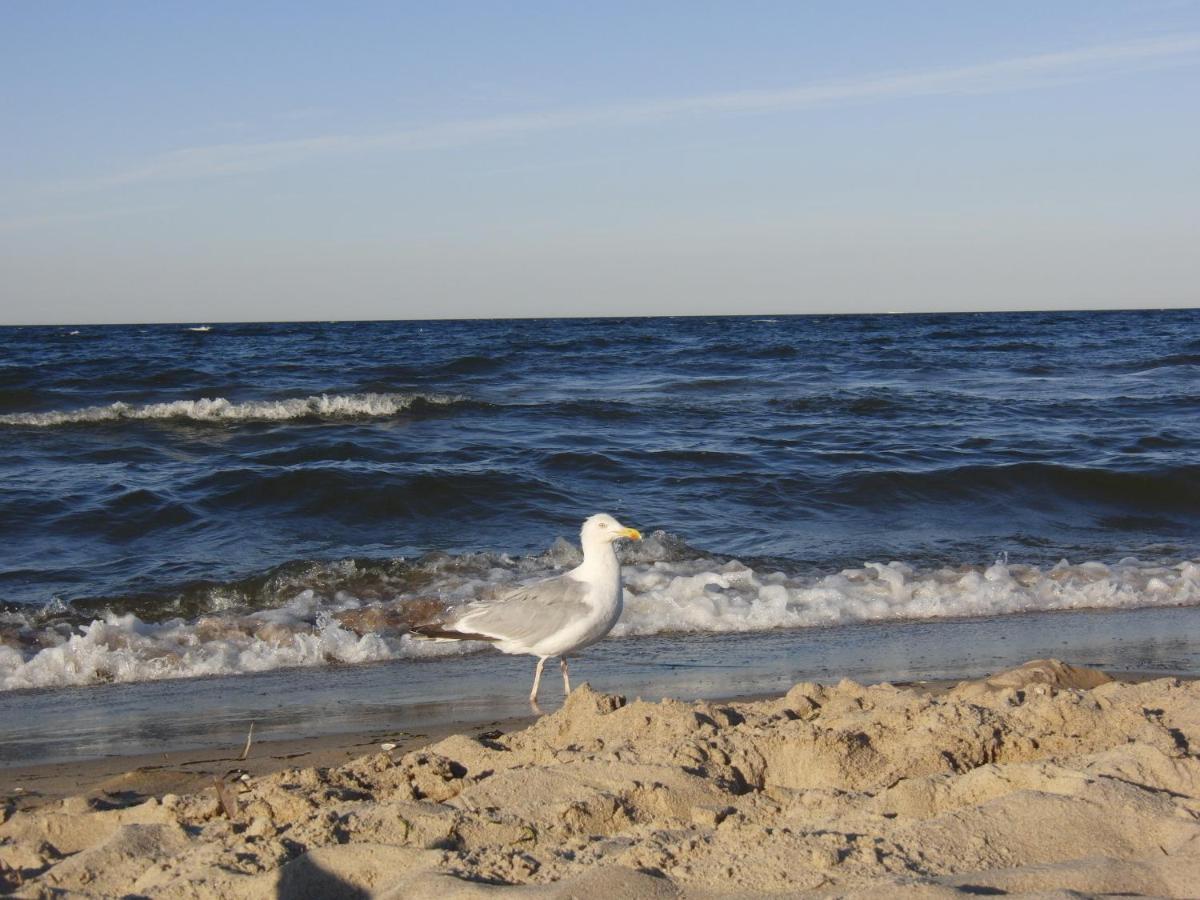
x,y
218,409
694,596
123,648
661,596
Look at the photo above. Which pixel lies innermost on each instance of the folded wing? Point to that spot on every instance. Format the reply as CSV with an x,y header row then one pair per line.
x,y
526,616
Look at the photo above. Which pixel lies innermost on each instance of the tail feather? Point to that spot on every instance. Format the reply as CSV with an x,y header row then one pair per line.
x,y
436,631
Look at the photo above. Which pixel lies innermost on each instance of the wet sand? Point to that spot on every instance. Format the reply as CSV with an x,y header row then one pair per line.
x,y
119,780
1041,778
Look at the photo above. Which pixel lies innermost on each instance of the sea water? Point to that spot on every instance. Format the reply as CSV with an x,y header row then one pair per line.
x,y
177,503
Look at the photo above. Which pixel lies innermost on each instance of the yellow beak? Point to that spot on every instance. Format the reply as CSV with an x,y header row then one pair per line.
x,y
632,533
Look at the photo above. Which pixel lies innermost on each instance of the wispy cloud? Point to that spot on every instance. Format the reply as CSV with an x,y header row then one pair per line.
x,y
55,219
1019,73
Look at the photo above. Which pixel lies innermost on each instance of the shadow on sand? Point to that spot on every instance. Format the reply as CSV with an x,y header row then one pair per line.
x,y
303,879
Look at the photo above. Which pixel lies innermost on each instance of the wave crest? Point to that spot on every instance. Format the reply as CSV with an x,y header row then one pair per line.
x,y
357,611
218,409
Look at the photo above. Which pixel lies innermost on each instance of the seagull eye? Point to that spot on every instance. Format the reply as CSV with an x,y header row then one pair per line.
x,y
603,525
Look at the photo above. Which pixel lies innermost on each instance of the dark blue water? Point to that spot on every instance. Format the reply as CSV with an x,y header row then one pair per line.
x,y
807,444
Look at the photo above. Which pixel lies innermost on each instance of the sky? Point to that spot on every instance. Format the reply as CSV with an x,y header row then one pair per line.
x,y
294,161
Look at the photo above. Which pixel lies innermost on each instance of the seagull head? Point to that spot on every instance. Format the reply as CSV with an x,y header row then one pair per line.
x,y
604,529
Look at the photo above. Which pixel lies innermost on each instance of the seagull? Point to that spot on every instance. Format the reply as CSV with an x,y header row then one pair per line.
x,y
554,617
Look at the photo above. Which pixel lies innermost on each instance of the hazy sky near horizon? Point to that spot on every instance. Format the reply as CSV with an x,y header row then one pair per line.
x,y
229,161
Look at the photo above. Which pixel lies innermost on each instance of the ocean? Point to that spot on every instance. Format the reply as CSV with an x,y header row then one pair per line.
x,y
178,502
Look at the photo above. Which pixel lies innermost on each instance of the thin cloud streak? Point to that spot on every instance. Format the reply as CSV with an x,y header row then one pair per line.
x,y
54,219
1020,73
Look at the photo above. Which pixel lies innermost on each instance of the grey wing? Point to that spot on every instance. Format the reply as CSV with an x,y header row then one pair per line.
x,y
529,614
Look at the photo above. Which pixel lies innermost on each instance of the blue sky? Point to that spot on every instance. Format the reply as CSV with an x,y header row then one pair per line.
x,y
207,162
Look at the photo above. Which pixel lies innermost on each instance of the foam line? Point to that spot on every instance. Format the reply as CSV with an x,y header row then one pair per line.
x,y
664,594
319,406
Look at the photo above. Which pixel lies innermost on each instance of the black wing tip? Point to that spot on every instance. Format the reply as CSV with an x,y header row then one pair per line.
x,y
437,630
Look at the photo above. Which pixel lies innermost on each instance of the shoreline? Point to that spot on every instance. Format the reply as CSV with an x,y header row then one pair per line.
x,y
339,702
1044,776
139,775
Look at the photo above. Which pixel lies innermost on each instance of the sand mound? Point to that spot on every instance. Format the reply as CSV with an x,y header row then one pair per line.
x,y
1045,777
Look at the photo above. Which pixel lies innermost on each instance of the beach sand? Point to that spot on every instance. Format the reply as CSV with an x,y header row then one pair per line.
x,y
1046,777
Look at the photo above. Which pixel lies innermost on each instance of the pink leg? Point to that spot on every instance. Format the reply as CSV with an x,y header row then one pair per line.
x,y
537,679
562,663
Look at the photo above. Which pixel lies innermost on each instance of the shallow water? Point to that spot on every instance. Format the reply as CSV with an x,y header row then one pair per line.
x,y
177,502
412,695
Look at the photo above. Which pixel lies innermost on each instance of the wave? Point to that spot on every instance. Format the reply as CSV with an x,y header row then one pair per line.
x,y
736,597
1174,360
319,406
1174,488
767,351
1035,487
339,494
358,611
829,404
123,515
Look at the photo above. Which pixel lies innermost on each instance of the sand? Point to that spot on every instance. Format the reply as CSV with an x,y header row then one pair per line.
x,y
1047,778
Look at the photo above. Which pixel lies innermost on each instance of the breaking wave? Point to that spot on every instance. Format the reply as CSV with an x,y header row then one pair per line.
x,y
218,409
355,611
